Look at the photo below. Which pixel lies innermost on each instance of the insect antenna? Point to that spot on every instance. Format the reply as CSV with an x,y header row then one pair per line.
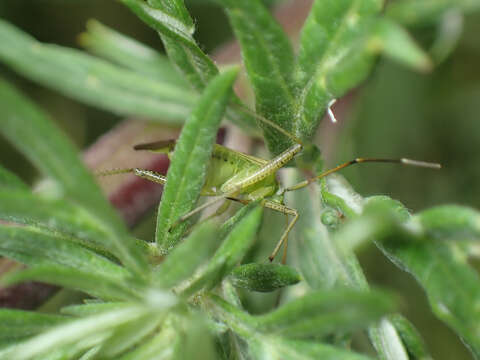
x,y
403,161
114,172
269,122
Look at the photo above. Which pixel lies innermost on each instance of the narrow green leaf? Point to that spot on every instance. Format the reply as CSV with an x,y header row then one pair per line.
x,y
176,28
23,207
339,194
89,354
384,204
263,277
410,337
269,61
128,335
92,80
19,324
266,345
34,247
91,308
10,181
160,346
448,36
196,342
94,284
281,348
232,250
187,171
28,129
333,56
450,222
188,256
321,263
319,254
176,9
413,12
382,218
318,313
232,221
452,286
396,43
92,328
123,50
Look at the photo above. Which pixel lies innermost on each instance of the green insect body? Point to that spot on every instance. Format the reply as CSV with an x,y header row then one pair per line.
x,y
225,170
235,176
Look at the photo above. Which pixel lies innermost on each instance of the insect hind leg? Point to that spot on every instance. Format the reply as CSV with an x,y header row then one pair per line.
x,y
284,210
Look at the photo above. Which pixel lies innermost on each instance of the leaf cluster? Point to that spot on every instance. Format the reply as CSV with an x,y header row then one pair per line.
x,y
176,297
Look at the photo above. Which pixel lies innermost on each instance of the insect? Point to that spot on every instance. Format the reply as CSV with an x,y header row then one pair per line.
x,y
236,176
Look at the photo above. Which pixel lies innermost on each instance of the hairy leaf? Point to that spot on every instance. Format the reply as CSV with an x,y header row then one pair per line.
x,y
339,267
450,222
94,284
175,27
232,250
333,56
394,42
321,263
262,343
451,285
413,12
23,207
269,61
91,328
19,324
9,181
28,128
187,171
33,247
123,50
91,308
281,348
92,80
186,257
160,346
319,312
410,337
263,277
128,335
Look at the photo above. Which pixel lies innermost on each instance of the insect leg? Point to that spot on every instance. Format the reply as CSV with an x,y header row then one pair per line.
x,y
287,211
236,187
403,161
146,174
285,248
196,210
284,210
221,210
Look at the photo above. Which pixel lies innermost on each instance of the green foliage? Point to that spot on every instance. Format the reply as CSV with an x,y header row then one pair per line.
x,y
176,297
190,160
122,50
27,127
269,62
263,277
92,80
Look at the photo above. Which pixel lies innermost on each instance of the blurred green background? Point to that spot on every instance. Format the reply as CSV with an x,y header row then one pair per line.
x,y
396,113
